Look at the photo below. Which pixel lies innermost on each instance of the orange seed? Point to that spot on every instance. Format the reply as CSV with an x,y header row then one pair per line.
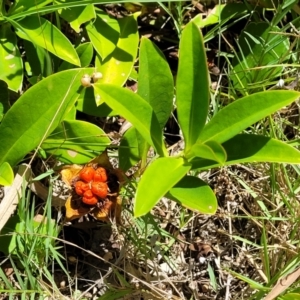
x,y
100,175
87,174
99,189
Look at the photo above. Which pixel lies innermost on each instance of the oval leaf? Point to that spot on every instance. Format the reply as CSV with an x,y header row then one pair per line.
x,y
76,142
129,153
117,66
78,15
43,107
136,110
252,148
6,174
85,53
38,61
157,180
104,33
242,113
192,85
11,65
43,33
210,150
155,83
194,194
87,104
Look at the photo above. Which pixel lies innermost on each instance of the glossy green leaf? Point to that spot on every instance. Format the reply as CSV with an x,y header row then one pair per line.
x,y
4,104
117,66
87,104
11,65
210,150
71,114
160,176
6,174
39,60
133,148
76,16
194,194
252,148
155,83
43,107
104,33
129,154
242,113
192,85
259,48
76,142
85,53
136,110
43,33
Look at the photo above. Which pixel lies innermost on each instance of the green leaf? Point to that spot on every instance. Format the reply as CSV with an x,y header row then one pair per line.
x,y
104,33
4,104
210,150
242,113
43,107
39,60
252,283
76,142
192,85
290,296
87,104
136,110
27,5
259,48
6,174
76,16
194,194
43,33
129,153
252,148
133,148
117,66
71,114
158,179
155,83
85,53
11,65
8,237
156,87
220,13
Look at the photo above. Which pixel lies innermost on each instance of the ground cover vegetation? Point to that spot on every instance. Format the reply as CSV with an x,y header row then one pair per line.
x,y
149,150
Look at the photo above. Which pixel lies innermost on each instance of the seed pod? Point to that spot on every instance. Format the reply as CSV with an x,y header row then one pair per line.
x,y
89,198
86,80
99,189
87,174
96,76
100,175
81,187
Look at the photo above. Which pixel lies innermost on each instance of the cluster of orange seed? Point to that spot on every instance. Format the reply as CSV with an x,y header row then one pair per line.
x,y
92,186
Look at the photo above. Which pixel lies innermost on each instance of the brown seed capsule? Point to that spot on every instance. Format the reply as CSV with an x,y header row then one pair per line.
x,y
86,80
